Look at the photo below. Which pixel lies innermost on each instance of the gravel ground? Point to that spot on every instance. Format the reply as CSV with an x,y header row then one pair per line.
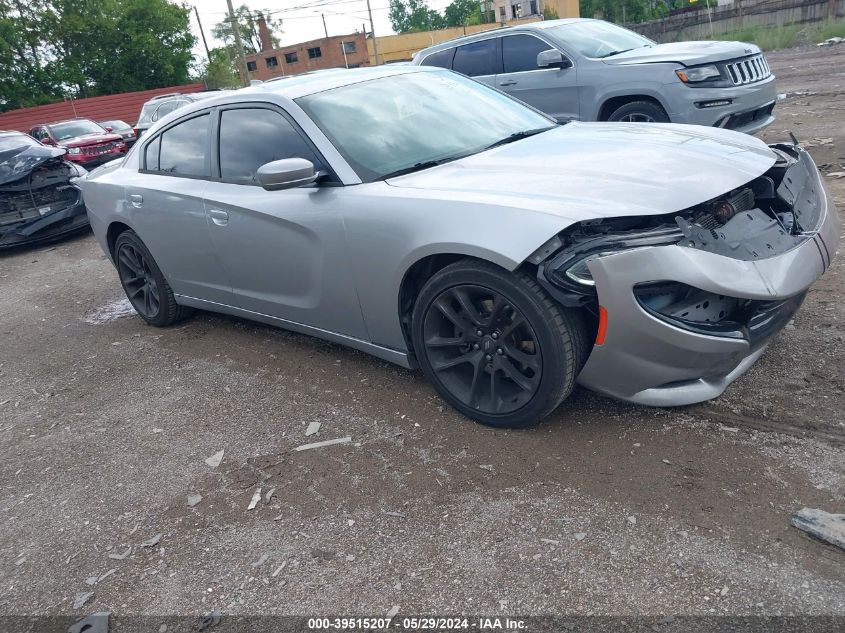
x,y
605,509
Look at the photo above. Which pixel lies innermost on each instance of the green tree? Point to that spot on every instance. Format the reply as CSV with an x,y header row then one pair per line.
x,y
26,77
221,71
52,48
409,16
461,12
247,22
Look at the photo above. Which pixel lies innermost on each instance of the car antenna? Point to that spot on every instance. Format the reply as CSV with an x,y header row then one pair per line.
x,y
792,136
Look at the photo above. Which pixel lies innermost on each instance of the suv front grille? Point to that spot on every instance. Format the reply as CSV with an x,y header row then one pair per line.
x,y
749,70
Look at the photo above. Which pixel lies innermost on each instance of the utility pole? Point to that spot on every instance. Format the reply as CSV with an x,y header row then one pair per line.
x,y
202,32
372,31
244,72
323,15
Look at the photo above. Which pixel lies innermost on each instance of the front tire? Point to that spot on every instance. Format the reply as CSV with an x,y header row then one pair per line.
x,y
144,284
494,345
639,112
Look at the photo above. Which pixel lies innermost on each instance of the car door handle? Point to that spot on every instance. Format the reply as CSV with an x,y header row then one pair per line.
x,y
137,200
220,218
509,82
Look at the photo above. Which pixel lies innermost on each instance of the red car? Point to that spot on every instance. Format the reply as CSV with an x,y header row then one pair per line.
x,y
87,143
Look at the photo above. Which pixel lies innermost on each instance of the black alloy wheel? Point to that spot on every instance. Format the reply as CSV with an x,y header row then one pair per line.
x,y
144,283
495,345
483,349
138,281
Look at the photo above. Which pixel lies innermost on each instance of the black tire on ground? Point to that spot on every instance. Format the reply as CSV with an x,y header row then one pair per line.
x,y
495,346
144,283
640,111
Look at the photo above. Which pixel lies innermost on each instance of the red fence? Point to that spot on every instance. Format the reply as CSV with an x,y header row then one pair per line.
x,y
125,106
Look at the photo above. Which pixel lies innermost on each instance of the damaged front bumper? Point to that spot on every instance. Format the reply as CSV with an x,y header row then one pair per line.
x,y
51,226
651,358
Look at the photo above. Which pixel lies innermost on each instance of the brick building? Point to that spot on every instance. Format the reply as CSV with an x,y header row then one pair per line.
x,y
338,51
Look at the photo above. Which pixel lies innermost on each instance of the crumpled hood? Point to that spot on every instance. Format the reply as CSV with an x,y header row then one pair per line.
x,y
18,162
687,53
90,139
582,171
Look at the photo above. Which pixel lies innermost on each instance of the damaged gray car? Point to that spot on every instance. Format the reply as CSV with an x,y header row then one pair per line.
x,y
38,202
505,255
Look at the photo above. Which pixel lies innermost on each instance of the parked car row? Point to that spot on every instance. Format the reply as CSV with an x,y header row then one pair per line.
x,y
38,200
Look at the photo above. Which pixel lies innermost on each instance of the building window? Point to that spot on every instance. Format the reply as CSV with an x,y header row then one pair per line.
x,y
291,58
533,7
251,66
516,11
502,15
314,53
349,47
272,62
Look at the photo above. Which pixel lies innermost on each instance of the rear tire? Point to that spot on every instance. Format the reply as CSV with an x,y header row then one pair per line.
x,y
144,284
494,345
639,112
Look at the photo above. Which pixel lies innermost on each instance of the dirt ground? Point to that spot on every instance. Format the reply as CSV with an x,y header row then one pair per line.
x,y
606,508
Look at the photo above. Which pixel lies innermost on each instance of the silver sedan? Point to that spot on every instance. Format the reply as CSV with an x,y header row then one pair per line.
x,y
422,217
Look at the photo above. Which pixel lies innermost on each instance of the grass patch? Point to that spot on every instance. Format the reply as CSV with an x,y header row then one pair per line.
x,y
770,38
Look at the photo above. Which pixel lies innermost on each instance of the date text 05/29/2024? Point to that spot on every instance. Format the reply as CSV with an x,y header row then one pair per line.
x,y
417,624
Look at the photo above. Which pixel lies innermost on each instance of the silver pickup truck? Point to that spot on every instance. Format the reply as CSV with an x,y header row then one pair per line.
x,y
591,70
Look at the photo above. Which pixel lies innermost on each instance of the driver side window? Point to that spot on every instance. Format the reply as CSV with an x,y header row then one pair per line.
x,y
251,137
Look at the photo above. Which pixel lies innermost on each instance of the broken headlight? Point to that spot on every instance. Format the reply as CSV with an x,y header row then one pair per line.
x,y
569,269
580,273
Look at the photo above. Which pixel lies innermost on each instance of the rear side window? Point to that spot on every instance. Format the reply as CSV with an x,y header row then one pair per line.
x,y
441,59
167,107
519,52
251,137
476,59
151,154
183,148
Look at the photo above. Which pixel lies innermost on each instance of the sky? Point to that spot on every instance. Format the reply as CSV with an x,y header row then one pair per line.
x,y
301,18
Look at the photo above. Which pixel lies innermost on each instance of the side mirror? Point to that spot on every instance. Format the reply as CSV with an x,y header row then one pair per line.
x,y
552,58
109,129
286,174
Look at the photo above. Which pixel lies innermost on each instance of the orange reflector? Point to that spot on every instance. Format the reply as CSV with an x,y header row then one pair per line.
x,y
602,326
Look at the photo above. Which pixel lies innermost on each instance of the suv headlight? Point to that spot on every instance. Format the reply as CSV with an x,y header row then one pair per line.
x,y
74,150
700,73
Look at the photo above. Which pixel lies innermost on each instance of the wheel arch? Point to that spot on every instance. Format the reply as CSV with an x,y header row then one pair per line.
x,y
114,230
612,103
423,268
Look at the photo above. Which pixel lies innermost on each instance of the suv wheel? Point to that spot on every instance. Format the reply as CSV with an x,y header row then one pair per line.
x,y
639,112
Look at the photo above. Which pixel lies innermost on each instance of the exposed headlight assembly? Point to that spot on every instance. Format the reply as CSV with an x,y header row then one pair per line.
x,y
569,268
699,73
580,273
73,150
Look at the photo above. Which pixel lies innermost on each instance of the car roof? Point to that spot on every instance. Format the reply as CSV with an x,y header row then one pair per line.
x,y
188,96
520,28
295,86
62,121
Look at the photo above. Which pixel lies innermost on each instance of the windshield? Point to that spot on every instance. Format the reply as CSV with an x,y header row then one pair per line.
x,y
115,125
16,141
595,38
395,123
63,131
